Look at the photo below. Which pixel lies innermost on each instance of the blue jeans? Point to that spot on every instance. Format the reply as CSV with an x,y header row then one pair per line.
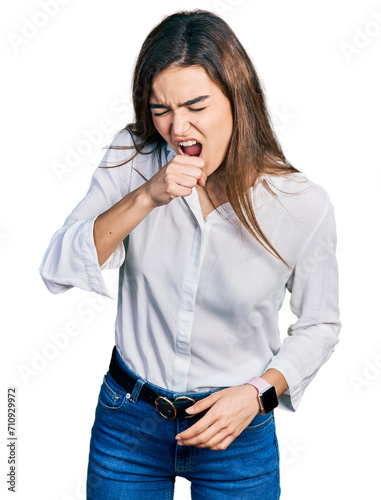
x,y
134,454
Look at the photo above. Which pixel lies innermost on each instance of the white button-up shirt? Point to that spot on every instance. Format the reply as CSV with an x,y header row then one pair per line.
x,y
199,299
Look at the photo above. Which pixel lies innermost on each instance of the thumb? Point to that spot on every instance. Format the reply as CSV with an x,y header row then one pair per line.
x,y
202,180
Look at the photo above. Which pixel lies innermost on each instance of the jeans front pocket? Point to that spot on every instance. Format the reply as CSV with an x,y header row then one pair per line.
x,y
260,422
112,397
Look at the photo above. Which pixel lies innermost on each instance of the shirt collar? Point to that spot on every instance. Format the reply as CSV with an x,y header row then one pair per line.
x,y
170,152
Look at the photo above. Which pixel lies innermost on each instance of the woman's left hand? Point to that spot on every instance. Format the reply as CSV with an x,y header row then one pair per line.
x,y
231,411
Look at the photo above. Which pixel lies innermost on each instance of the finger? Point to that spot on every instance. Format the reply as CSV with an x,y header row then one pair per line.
x,y
223,444
197,428
218,441
201,439
183,191
199,177
207,422
201,181
192,160
204,404
186,177
187,180
187,171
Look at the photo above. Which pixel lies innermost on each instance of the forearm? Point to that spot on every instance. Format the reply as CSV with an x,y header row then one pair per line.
x,y
114,225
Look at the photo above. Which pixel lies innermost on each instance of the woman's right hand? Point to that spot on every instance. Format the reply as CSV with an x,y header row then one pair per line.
x,y
177,178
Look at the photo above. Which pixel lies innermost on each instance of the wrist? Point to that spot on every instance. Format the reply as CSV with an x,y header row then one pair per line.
x,y
253,392
266,393
144,199
275,378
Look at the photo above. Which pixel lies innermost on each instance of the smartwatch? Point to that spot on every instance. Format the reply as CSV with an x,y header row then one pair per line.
x,y
266,395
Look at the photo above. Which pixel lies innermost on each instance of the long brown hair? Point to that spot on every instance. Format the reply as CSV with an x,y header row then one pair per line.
x,y
200,38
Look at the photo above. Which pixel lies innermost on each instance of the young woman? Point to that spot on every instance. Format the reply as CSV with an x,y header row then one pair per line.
x,y
209,224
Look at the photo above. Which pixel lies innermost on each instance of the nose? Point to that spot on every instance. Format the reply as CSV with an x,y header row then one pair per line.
x,y
180,124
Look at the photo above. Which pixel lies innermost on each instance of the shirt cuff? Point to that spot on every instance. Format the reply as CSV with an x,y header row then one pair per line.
x,y
93,270
291,398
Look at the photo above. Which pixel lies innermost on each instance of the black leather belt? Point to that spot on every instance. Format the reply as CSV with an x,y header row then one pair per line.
x,y
167,407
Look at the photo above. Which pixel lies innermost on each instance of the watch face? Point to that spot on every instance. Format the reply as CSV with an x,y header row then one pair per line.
x,y
269,399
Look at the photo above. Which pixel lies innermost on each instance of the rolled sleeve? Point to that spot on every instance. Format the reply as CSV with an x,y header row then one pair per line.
x,y
90,258
71,259
315,301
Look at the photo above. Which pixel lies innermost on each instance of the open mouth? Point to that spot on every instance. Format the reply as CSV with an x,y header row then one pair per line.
x,y
190,148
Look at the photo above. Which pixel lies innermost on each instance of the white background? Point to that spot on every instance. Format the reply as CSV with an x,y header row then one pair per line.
x,y
66,87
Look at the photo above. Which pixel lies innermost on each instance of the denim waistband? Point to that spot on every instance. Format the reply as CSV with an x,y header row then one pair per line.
x,y
258,419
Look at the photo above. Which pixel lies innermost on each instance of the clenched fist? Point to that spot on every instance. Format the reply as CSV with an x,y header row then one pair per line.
x,y
177,178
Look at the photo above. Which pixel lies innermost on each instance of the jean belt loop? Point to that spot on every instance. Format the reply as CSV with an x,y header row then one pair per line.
x,y
136,391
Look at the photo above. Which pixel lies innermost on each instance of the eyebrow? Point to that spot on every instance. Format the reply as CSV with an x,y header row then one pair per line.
x,y
188,103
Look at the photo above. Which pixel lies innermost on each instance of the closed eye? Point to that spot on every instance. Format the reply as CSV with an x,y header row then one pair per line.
x,y
161,114
198,109
190,109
